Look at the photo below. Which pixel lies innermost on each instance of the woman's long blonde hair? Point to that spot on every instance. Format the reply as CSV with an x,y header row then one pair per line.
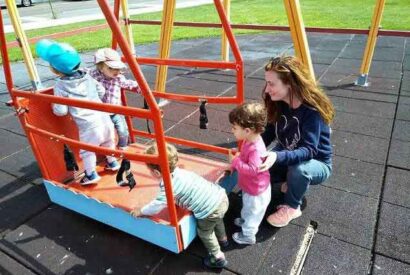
x,y
293,73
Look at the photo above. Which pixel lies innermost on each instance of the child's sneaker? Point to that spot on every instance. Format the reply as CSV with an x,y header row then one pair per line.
x,y
90,179
238,222
239,238
284,215
223,243
112,166
212,262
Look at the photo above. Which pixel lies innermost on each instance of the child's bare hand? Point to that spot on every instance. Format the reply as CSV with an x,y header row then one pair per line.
x,y
232,154
136,212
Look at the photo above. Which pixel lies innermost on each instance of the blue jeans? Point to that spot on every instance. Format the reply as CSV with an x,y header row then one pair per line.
x,y
121,128
299,177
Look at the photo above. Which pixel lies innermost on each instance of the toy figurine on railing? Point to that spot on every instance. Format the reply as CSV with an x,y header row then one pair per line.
x,y
69,159
203,117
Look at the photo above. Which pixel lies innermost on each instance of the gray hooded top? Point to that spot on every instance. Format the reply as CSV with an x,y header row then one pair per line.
x,y
81,85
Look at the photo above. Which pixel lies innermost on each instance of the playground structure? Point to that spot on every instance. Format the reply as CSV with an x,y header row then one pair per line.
x,y
172,230
296,28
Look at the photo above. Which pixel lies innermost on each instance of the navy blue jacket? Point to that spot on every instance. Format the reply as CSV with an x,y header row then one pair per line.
x,y
301,135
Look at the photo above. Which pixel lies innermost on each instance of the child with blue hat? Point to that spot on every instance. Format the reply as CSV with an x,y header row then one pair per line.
x,y
94,127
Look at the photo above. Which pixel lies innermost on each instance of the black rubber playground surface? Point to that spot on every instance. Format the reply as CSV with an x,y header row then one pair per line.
x,y
362,211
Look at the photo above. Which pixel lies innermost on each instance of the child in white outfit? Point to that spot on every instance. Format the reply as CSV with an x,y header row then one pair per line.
x,y
248,122
94,127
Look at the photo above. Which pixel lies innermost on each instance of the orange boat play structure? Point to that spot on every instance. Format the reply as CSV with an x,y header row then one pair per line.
x,y
173,228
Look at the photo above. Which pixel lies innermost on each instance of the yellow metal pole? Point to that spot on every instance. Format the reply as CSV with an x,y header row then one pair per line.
x,y
224,38
24,45
298,33
371,43
128,29
165,42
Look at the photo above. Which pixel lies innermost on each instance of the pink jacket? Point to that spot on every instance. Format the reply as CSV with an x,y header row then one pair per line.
x,y
250,179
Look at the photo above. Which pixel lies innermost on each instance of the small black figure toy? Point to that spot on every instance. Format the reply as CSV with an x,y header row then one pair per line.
x,y
203,117
125,168
69,159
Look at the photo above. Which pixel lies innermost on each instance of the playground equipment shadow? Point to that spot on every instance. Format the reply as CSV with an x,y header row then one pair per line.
x,y
362,211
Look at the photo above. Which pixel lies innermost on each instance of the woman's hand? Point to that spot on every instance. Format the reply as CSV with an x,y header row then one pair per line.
x,y
269,161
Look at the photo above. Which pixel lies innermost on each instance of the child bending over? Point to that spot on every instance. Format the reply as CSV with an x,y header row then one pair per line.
x,y
207,201
248,122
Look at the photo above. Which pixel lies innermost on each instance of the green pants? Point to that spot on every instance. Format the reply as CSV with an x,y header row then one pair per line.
x,y
212,228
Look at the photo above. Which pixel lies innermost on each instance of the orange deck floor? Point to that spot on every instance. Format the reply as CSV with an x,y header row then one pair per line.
x,y
147,187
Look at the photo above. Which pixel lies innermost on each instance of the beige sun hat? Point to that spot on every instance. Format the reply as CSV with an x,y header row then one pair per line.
x,y
110,57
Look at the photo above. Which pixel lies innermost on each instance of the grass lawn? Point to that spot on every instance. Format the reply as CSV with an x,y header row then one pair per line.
x,y
316,13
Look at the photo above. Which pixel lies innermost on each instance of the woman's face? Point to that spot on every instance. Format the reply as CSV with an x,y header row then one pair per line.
x,y
275,88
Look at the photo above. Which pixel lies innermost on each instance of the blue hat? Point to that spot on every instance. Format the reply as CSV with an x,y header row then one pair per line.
x,y
61,56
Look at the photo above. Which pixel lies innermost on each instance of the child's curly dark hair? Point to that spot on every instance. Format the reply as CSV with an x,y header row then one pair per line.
x,y
249,115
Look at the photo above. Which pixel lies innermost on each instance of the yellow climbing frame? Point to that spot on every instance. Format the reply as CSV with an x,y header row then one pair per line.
x,y
298,33
23,43
371,43
224,38
128,29
168,14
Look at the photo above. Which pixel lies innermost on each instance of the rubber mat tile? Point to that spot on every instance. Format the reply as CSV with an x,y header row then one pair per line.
x,y
15,142
356,176
184,263
350,92
11,124
10,266
331,256
24,166
397,187
345,216
19,201
401,130
393,232
63,242
280,256
361,124
383,265
363,107
360,147
399,154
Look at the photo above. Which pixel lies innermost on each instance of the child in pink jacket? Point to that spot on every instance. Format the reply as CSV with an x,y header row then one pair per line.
x,y
248,122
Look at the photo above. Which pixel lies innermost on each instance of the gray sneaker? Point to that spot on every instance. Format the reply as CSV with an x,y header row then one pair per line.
x,y
239,238
238,222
